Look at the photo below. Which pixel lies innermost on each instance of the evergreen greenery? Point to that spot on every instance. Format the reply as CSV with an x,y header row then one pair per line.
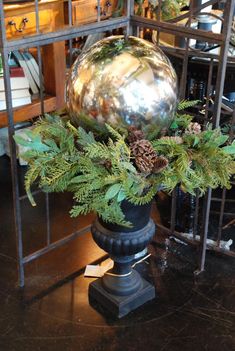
x,y
199,162
101,175
171,8
109,50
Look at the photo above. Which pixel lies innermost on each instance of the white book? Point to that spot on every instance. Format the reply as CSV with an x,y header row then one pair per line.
x,y
16,83
15,94
16,102
33,67
28,75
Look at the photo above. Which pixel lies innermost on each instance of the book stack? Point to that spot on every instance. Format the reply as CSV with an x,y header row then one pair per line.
x,y
31,70
19,88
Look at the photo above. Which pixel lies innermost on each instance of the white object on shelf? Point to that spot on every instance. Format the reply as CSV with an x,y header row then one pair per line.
x,y
33,66
16,94
16,102
16,83
27,72
208,8
224,245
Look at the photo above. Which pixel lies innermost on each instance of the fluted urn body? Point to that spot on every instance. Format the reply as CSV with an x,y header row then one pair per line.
x,y
122,244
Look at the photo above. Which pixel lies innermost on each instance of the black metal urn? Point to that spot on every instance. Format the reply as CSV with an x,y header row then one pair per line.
x,y
122,289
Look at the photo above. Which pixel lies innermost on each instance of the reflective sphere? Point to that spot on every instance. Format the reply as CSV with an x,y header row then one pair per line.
x,y
123,81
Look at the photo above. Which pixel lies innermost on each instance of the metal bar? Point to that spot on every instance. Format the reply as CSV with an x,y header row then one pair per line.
x,y
70,13
173,210
223,60
159,19
221,251
2,26
130,12
171,28
208,91
205,231
183,81
228,214
98,10
221,215
191,214
231,133
196,213
41,94
55,245
131,7
218,199
15,182
24,197
133,30
70,52
37,17
68,33
48,219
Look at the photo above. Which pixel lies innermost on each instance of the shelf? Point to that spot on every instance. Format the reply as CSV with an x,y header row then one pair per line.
x,y
51,17
26,112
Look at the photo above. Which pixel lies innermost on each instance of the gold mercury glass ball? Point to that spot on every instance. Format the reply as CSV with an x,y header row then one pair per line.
x,y
123,81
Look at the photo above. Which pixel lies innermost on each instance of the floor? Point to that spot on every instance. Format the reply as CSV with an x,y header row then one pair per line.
x,y
53,312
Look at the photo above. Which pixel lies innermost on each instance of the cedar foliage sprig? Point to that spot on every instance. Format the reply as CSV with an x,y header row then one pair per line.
x,y
101,175
62,157
198,163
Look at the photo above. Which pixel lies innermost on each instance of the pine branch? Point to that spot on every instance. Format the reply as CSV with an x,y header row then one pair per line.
x,y
184,104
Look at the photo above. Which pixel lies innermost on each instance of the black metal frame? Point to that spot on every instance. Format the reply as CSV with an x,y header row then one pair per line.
x,y
219,39
37,41
131,25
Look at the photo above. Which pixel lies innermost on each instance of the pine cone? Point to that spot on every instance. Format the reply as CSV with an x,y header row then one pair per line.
x,y
144,154
134,134
193,128
160,164
107,164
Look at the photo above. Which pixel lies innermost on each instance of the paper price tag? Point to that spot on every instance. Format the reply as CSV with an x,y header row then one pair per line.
x,y
93,271
97,271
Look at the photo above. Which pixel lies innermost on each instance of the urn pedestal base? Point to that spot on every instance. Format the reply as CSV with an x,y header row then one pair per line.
x,y
122,289
119,306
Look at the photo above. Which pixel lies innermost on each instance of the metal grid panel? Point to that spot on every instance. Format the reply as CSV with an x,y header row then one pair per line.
x,y
221,59
38,40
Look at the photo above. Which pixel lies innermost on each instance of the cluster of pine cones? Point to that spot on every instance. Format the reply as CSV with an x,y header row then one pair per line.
x,y
145,158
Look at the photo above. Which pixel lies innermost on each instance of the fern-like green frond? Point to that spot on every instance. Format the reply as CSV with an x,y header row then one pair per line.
x,y
184,104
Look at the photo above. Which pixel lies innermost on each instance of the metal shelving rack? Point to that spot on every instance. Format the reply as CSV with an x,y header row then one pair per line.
x,y
221,39
131,24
